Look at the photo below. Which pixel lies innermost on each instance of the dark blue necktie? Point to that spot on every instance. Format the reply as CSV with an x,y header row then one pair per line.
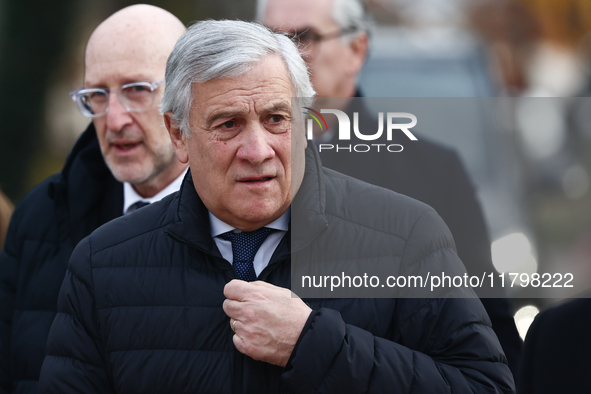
x,y
136,206
244,248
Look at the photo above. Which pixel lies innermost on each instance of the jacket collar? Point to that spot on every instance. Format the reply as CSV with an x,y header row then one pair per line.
x,y
308,220
191,223
86,195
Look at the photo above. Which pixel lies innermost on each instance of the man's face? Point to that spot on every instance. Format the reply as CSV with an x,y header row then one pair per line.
x,y
333,64
240,147
135,145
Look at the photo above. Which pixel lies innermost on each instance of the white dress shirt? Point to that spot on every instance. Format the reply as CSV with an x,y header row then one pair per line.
x,y
130,196
265,252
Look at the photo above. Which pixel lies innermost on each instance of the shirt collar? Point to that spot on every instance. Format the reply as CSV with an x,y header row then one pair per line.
x,y
219,227
130,196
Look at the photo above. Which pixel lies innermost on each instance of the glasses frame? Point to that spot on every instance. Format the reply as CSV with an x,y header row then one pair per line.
x,y
309,46
76,95
317,38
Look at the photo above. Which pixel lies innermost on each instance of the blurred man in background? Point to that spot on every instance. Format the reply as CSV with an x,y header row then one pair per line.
x,y
122,161
334,40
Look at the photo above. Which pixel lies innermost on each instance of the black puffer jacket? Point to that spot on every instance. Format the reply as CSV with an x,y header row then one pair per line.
x,y
46,226
140,309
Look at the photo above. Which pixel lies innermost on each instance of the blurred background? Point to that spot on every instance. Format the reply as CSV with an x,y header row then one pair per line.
x,y
529,155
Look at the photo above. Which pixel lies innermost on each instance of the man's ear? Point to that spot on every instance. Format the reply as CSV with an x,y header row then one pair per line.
x,y
359,46
178,138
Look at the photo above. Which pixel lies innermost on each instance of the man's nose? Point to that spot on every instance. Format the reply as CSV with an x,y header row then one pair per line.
x,y
255,147
117,117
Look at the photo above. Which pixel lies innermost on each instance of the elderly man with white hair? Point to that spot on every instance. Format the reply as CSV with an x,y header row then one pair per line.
x,y
191,294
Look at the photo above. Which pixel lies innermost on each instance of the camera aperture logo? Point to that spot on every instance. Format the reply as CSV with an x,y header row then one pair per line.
x,y
344,131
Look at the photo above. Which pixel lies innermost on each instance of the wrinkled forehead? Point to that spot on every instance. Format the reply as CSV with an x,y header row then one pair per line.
x,y
296,15
109,56
263,86
125,44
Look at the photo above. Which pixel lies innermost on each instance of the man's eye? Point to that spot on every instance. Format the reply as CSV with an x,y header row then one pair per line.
x,y
96,97
277,124
137,89
306,36
228,125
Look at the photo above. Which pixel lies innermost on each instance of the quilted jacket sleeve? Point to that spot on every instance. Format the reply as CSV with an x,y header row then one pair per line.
x,y
438,345
74,361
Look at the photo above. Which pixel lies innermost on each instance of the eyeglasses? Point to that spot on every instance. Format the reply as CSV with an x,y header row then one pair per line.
x,y
309,36
309,39
135,97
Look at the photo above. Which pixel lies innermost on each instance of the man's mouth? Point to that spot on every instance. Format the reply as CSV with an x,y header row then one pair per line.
x,y
126,146
257,179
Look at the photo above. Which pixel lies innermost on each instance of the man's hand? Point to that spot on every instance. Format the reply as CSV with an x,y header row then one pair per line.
x,y
266,319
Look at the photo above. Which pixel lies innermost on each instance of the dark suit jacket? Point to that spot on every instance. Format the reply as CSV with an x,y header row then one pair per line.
x,y
433,174
557,351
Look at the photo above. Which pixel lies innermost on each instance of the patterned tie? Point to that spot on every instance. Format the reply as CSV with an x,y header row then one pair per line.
x,y
244,248
136,206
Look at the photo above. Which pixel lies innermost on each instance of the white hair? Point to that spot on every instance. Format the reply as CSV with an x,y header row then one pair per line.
x,y
226,49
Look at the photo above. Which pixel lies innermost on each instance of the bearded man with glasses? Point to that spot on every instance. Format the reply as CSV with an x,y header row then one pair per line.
x,y
122,161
